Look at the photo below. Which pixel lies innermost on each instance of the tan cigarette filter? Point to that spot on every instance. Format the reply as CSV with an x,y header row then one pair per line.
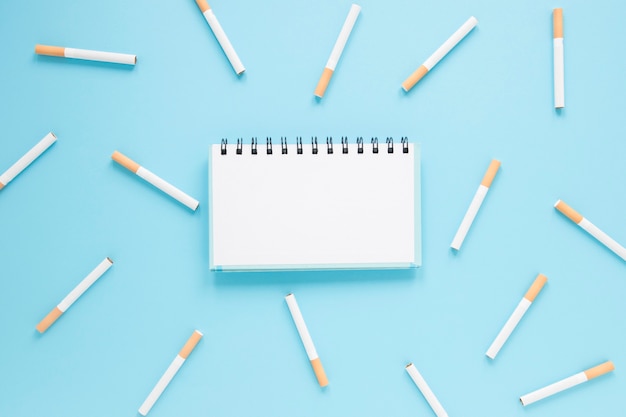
x,y
557,23
203,5
190,345
125,161
572,214
414,78
49,320
534,289
1,186
491,173
601,369
323,82
319,372
49,50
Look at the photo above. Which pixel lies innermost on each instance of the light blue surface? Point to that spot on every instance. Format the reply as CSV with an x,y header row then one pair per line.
x,y
490,98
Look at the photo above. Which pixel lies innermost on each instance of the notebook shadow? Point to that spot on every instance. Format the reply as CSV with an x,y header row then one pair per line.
x,y
266,278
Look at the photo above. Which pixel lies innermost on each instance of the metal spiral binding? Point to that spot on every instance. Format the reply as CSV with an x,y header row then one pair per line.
x,y
389,145
344,144
253,146
314,146
299,144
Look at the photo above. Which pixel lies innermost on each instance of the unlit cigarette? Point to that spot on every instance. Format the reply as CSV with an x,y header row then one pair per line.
x,y
517,315
477,201
306,340
155,180
592,229
337,50
219,33
170,372
426,391
86,54
74,295
566,383
440,53
27,159
559,82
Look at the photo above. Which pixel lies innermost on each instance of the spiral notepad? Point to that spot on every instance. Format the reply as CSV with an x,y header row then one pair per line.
x,y
295,206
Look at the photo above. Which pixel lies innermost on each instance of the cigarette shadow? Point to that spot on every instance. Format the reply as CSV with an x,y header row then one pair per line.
x,y
82,62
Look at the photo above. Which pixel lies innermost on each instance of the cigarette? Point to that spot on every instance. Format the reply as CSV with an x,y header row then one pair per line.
x,y
27,159
306,340
426,391
517,315
440,53
170,372
155,180
477,201
74,295
86,54
592,229
337,50
559,83
566,383
219,33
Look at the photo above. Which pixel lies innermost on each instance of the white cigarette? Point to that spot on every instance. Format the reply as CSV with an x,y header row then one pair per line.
x,y
440,53
27,159
559,83
335,55
306,340
517,315
155,180
219,33
74,295
170,372
592,229
566,383
86,54
426,391
477,201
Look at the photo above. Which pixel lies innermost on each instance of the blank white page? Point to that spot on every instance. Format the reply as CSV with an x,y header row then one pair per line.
x,y
314,211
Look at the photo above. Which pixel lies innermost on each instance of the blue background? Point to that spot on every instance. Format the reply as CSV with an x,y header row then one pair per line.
x,y
491,97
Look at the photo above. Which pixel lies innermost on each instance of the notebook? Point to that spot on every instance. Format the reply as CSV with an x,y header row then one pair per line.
x,y
306,206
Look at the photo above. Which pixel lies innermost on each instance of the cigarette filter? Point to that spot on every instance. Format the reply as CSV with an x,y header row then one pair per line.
x,y
567,383
426,391
86,54
592,229
337,50
74,295
440,53
559,80
477,201
306,340
170,372
219,33
27,159
155,180
517,315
